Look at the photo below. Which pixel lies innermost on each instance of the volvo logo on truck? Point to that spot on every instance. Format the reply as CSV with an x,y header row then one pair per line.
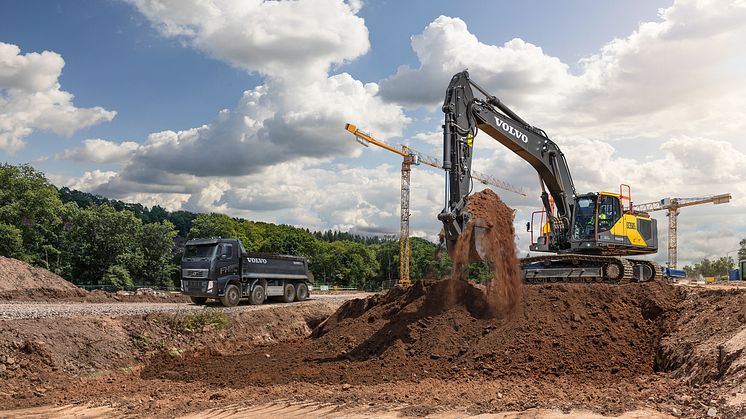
x,y
510,130
256,260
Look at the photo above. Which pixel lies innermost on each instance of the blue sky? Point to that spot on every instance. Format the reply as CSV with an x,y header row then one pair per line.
x,y
115,59
612,82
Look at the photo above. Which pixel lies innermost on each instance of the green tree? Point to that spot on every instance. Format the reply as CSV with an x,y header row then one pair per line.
x,y
718,267
11,242
117,278
387,257
213,225
101,237
32,205
182,220
742,250
289,240
346,263
157,245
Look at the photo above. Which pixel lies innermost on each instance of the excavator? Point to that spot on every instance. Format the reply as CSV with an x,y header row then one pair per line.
x,y
587,237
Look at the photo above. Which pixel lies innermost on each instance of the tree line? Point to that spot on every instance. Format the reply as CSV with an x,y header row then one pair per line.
x,y
717,267
92,240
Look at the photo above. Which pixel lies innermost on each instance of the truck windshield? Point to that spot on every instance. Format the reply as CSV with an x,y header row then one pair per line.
x,y
200,252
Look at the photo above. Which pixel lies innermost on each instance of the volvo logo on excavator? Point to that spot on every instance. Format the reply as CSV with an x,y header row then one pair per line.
x,y
510,130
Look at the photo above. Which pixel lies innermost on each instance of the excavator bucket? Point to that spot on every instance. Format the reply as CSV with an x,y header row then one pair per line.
x,y
480,245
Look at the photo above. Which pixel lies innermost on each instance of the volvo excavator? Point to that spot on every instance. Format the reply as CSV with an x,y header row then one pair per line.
x,y
586,236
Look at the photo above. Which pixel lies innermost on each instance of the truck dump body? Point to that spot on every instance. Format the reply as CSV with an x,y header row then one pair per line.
x,y
222,269
271,266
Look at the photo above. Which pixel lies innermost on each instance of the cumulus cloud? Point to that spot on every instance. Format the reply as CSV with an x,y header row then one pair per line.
x,y
96,150
667,77
271,125
31,98
296,115
293,41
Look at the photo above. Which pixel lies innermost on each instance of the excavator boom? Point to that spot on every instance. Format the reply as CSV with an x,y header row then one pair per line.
x,y
465,115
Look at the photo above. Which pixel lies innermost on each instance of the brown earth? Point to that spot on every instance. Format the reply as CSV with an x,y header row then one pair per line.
x,y
20,278
20,281
597,347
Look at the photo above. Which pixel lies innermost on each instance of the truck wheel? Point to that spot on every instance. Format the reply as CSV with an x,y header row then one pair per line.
x,y
232,296
301,292
200,301
289,295
257,295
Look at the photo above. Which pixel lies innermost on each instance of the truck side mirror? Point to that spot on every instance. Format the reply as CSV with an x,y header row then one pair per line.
x,y
528,226
226,252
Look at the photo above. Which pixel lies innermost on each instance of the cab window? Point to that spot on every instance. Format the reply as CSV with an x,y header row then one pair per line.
x,y
225,251
609,212
584,226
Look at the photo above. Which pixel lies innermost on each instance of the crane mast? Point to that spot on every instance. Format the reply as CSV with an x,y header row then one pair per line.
x,y
672,206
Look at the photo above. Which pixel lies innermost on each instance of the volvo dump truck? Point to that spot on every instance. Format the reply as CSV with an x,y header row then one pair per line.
x,y
222,269
588,235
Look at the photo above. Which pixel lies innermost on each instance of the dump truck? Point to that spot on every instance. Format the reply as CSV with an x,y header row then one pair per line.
x,y
222,269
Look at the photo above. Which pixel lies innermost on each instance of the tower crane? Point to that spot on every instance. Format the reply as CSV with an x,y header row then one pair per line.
x,y
672,205
412,157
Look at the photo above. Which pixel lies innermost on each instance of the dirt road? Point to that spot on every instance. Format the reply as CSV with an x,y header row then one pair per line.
x,y
40,310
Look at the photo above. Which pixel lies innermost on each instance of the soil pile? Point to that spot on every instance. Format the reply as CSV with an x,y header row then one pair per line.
x,y
582,333
491,229
21,281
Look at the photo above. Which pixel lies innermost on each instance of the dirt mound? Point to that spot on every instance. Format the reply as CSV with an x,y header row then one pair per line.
x,y
491,229
19,280
589,333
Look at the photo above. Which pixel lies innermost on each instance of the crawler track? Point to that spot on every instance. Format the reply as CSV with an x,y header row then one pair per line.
x,y
576,268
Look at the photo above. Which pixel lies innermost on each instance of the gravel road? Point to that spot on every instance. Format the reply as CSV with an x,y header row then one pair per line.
x,y
38,310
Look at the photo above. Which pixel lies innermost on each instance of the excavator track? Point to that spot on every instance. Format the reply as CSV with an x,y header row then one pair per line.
x,y
575,268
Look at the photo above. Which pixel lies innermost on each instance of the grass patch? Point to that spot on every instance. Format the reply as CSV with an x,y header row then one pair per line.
x,y
196,322
147,341
127,369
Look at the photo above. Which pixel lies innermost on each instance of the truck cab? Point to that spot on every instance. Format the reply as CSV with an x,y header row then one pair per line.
x,y
222,269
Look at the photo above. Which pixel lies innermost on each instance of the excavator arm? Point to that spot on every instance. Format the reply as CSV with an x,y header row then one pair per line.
x,y
465,116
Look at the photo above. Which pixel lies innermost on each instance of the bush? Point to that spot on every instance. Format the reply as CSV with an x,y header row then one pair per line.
x,y
11,241
117,278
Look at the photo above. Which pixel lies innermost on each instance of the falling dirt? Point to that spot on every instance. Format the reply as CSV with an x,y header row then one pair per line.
x,y
491,229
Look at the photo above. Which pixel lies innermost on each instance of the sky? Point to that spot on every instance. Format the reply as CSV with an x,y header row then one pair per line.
x,y
239,106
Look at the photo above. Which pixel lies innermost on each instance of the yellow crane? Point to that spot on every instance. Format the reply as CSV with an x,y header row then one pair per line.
x,y
412,157
673,205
